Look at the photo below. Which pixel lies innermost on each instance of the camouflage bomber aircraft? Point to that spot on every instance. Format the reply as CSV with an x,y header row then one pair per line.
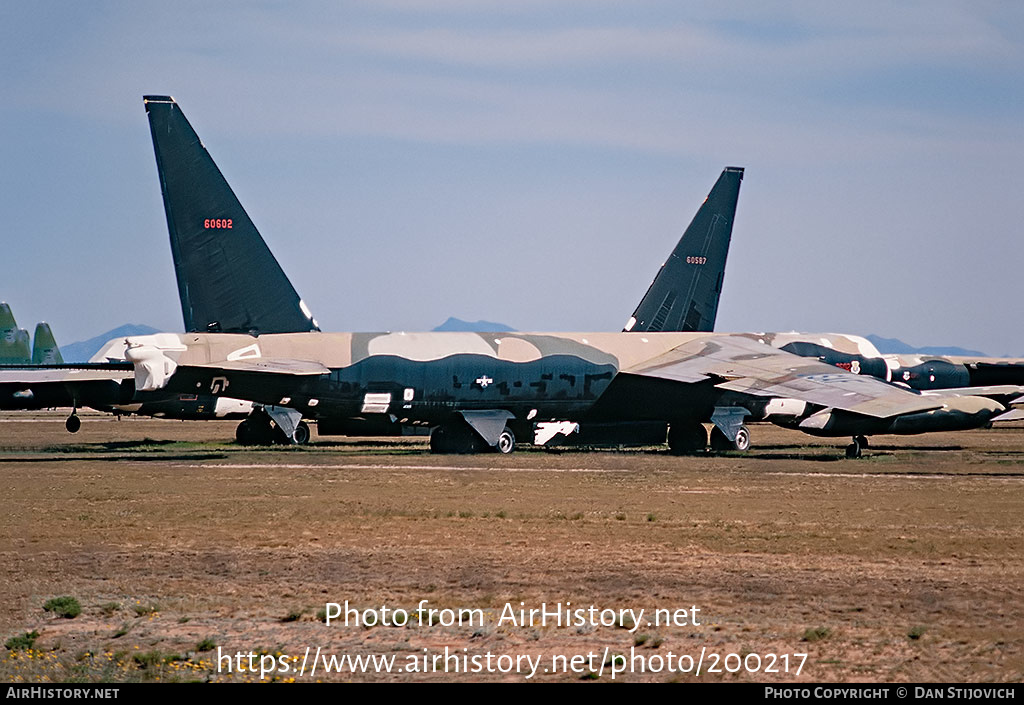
x,y
685,294
47,382
483,391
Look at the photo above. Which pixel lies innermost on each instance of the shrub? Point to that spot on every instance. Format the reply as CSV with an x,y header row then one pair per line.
x,y
22,643
66,607
817,634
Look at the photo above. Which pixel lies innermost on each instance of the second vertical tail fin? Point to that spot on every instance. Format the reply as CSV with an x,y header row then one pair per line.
x,y
684,295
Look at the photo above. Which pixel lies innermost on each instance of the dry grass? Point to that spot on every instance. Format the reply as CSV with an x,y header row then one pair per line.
x,y
197,539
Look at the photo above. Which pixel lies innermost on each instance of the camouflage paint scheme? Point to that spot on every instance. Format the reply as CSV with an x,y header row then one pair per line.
x,y
427,378
46,382
490,382
531,377
686,291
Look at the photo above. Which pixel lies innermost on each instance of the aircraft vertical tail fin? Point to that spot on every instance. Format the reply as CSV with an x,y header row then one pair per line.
x,y
14,345
44,347
684,295
228,280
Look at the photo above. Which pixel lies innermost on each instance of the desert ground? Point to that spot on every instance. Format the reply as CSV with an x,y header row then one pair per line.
x,y
181,547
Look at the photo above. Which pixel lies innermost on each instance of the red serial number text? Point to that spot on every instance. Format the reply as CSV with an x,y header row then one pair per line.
x,y
217,223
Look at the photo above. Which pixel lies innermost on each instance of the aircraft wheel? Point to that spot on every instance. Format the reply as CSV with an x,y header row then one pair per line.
x,y
863,442
302,433
455,437
720,442
438,440
853,450
275,436
256,431
506,442
244,433
686,439
73,423
742,442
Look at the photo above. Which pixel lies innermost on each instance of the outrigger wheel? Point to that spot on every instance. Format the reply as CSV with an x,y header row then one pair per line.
x,y
73,423
854,449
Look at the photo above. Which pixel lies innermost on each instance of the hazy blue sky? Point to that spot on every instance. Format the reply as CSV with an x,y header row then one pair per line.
x,y
530,162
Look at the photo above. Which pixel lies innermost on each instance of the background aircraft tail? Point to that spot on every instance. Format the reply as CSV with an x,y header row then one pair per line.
x,y
228,280
44,347
684,295
14,345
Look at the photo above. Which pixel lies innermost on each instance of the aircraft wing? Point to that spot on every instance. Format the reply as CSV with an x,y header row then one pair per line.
x,y
41,386
990,391
1011,415
85,372
741,364
279,366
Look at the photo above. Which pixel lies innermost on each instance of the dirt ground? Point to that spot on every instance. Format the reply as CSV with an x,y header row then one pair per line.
x,y
184,549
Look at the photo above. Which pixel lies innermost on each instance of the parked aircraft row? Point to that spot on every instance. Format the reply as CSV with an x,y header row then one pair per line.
x,y
249,336
52,384
14,342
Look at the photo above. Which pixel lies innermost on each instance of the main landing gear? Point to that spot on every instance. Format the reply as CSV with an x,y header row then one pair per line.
x,y
687,439
719,441
258,429
458,437
692,438
859,444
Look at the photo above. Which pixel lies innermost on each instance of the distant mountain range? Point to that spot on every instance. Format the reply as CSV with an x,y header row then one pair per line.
x,y
82,351
456,324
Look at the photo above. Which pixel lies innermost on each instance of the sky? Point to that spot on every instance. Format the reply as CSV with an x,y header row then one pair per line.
x,y
531,163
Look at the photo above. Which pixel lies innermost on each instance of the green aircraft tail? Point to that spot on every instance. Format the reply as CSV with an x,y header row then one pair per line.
x,y
684,295
14,342
44,347
228,280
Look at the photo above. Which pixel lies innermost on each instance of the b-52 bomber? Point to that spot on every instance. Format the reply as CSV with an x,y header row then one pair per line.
x,y
685,293
40,379
481,391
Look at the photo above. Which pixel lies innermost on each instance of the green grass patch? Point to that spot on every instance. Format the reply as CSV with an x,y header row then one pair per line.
x,y
65,606
23,642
